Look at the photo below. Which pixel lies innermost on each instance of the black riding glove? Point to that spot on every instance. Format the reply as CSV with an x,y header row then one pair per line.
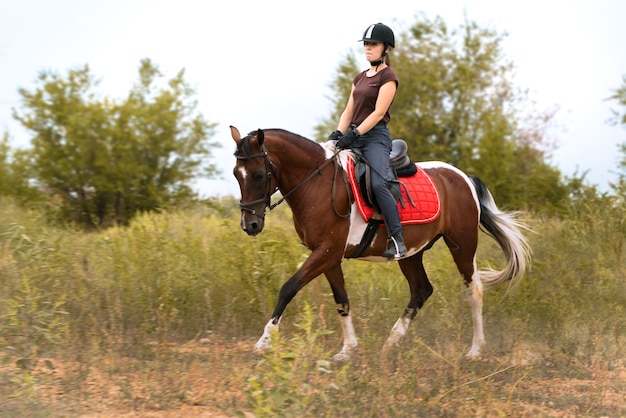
x,y
334,136
347,139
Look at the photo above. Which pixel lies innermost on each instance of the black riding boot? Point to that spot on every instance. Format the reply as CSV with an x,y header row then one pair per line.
x,y
397,249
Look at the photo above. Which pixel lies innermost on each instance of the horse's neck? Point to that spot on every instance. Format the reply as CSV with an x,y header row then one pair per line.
x,y
296,162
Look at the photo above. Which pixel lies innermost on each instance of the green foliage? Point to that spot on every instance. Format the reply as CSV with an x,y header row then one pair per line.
x,y
295,378
620,119
619,96
30,320
103,161
14,175
165,276
139,297
456,103
620,185
33,320
5,174
177,275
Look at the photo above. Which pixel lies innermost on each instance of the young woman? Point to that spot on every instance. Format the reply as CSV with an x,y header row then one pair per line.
x,y
363,125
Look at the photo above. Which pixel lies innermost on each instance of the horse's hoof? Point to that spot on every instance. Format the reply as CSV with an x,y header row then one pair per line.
x,y
473,354
388,348
260,349
341,357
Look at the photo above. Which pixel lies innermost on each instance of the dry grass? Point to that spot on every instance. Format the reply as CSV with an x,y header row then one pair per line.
x,y
159,320
211,380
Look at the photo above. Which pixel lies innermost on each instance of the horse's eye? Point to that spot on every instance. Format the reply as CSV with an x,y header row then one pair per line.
x,y
258,176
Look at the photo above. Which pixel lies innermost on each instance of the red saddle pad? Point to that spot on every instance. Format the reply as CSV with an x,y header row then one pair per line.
x,y
422,192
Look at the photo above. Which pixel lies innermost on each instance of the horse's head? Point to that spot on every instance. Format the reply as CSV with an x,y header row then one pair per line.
x,y
253,171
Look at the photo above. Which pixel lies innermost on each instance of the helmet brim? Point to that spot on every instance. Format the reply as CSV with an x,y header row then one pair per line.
x,y
375,40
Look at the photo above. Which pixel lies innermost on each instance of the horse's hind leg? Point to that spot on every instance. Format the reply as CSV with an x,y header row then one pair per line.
x,y
475,298
334,275
421,289
464,254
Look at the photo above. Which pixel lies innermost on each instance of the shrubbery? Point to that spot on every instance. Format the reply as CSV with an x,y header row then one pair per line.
x,y
177,277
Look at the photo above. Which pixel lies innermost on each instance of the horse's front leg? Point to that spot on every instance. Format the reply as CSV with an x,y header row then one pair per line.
x,y
287,292
334,275
315,265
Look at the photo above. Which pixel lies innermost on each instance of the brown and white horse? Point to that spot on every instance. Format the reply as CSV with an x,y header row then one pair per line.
x,y
310,178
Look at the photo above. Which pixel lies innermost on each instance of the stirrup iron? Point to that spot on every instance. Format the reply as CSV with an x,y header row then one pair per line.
x,y
397,252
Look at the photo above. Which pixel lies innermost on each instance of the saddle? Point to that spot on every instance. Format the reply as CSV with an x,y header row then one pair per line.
x,y
405,181
400,165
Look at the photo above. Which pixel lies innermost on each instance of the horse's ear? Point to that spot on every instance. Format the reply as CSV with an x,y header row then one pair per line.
x,y
234,132
260,136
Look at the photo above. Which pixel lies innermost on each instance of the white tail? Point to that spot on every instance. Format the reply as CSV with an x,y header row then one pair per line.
x,y
505,228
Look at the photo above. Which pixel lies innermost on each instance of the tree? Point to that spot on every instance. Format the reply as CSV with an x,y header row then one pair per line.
x,y
620,119
456,103
108,160
619,95
14,174
5,174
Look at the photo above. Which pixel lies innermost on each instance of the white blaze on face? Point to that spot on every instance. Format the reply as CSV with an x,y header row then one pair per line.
x,y
243,175
242,178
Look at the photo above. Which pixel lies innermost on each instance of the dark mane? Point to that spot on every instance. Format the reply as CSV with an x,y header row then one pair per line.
x,y
243,147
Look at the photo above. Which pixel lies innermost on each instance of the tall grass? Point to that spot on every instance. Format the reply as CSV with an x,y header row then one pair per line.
x,y
174,279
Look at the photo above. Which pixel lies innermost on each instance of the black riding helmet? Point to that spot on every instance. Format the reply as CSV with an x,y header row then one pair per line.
x,y
379,32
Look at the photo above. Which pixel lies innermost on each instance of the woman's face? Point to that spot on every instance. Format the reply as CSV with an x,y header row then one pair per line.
x,y
373,50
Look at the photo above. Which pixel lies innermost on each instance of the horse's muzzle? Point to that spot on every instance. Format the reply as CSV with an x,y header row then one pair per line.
x,y
252,227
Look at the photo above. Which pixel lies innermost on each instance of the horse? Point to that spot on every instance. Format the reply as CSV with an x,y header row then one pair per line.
x,y
311,179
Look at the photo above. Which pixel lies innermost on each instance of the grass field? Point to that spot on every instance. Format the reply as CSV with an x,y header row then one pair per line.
x,y
159,319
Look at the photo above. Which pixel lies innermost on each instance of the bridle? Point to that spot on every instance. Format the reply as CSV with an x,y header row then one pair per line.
x,y
269,171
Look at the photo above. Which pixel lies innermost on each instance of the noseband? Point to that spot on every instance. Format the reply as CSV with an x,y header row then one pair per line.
x,y
269,169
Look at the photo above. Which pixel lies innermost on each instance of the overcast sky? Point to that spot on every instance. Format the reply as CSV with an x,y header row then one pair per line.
x,y
268,64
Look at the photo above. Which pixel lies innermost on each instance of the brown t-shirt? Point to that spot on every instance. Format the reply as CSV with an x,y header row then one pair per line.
x,y
366,92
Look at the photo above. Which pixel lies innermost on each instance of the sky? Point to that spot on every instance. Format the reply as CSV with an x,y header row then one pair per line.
x,y
269,64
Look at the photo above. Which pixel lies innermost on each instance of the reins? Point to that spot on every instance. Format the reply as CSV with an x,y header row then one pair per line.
x,y
318,170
